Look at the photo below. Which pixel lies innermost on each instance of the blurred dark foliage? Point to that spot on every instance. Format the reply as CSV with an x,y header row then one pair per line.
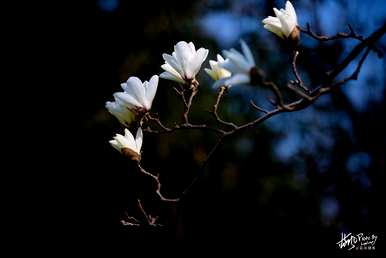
x,y
250,198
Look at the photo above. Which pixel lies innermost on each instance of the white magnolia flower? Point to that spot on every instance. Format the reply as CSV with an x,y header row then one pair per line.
x,y
122,143
216,71
118,109
184,63
284,23
138,95
238,64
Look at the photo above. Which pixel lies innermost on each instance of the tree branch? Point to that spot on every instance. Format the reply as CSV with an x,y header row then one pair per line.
x,y
159,185
374,37
130,221
306,98
281,107
275,89
151,221
341,35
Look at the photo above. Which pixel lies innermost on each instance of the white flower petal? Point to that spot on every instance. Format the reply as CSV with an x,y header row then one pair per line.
x,y
291,24
235,52
129,140
224,73
217,72
230,66
275,30
286,29
127,133
139,139
135,88
116,145
247,53
184,55
122,141
121,112
273,21
111,106
291,12
124,86
171,60
240,78
168,68
221,82
196,62
211,73
277,12
172,77
220,59
238,60
212,64
151,90
127,99
192,47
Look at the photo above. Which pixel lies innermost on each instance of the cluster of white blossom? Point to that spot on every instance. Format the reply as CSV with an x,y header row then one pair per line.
x,y
182,66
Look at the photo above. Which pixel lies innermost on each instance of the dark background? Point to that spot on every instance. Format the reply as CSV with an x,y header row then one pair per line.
x,y
292,184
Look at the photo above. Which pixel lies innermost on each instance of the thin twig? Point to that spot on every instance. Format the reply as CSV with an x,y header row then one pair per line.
x,y
298,91
159,185
253,104
181,94
176,127
186,124
130,221
299,80
192,89
258,76
151,221
203,167
221,93
276,91
159,123
341,35
189,104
